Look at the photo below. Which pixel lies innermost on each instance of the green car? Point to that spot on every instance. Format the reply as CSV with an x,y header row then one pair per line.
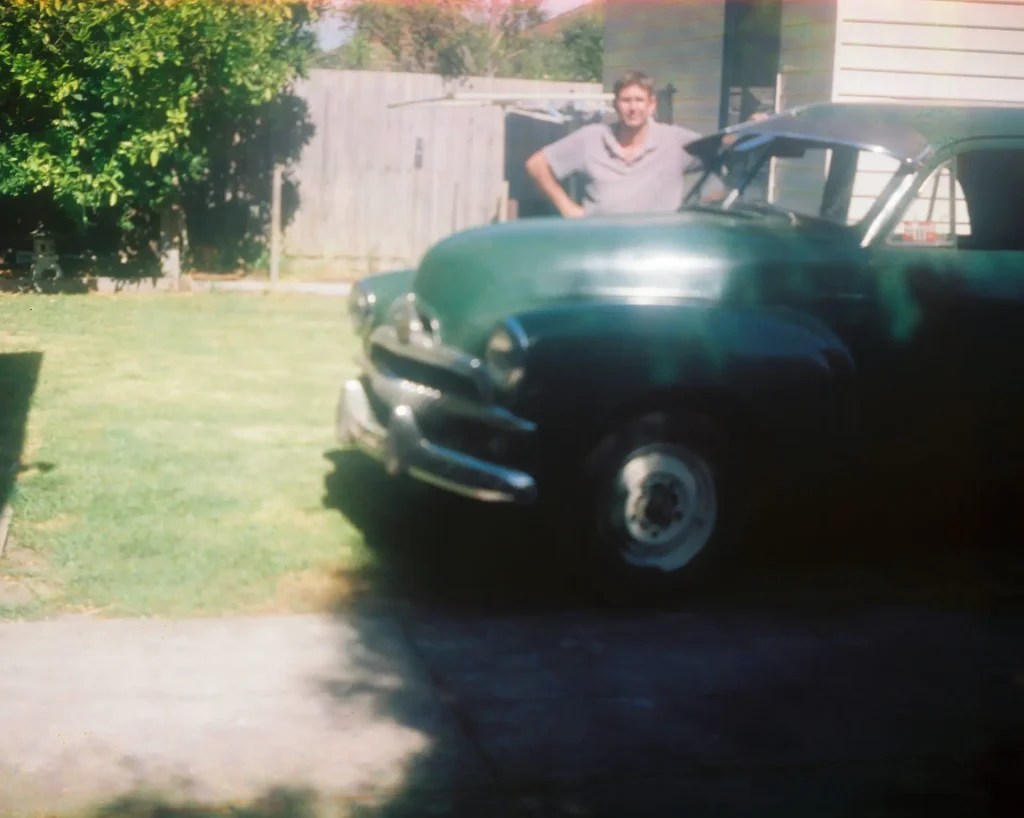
x,y
842,280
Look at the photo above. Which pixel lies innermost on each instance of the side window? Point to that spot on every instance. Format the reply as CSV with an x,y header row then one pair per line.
x,y
798,183
874,172
937,215
993,182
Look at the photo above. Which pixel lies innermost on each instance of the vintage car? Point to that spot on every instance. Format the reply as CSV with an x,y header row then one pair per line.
x,y
858,288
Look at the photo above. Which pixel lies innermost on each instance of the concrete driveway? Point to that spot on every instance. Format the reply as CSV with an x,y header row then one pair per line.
x,y
889,711
466,686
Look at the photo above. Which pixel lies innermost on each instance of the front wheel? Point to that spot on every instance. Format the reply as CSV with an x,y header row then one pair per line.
x,y
658,509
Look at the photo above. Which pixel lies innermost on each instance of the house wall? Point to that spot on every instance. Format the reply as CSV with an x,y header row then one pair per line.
x,y
675,42
921,51
806,56
806,60
957,51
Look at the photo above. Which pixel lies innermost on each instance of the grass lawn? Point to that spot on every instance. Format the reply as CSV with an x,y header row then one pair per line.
x,y
173,458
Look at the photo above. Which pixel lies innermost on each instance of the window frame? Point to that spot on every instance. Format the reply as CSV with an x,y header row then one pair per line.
x,y
759,146
893,215
934,170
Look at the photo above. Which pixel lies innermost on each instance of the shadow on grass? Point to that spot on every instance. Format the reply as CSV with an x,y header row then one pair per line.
x,y
48,286
434,548
19,373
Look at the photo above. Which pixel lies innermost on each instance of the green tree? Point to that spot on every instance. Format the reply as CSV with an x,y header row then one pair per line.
x,y
419,37
359,53
582,49
111,103
469,38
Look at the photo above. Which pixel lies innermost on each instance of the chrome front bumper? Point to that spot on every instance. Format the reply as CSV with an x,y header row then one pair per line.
x,y
402,448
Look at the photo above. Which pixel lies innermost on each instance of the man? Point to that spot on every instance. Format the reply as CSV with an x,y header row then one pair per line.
x,y
635,165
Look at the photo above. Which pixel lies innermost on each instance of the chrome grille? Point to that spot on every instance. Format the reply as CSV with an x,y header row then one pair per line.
x,y
444,380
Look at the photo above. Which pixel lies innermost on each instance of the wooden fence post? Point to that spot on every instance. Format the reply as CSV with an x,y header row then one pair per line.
x,y
275,225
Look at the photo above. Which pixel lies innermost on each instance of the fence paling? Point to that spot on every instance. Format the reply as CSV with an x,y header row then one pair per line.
x,y
378,186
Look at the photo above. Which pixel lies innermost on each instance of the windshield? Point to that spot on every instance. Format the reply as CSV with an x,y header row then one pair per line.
x,y
796,179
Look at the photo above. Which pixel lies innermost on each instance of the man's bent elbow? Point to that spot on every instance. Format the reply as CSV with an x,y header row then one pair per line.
x,y
536,165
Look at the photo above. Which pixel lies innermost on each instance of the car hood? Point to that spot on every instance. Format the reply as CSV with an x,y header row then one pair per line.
x,y
471,281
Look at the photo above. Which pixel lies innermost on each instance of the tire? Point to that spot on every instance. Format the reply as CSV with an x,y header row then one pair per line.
x,y
658,510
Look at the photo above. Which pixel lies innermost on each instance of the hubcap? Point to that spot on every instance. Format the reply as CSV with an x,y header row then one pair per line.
x,y
666,505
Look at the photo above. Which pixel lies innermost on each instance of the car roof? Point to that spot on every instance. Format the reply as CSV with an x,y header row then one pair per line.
x,y
906,132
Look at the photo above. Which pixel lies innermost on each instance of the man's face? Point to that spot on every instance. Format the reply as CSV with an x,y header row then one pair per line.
x,y
634,106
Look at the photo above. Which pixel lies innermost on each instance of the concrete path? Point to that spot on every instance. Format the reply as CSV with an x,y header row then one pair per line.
x,y
889,711
340,288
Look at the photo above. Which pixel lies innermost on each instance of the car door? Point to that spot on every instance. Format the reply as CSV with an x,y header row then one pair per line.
x,y
950,279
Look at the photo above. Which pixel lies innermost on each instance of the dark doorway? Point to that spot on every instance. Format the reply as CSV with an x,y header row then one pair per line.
x,y
750,58
523,136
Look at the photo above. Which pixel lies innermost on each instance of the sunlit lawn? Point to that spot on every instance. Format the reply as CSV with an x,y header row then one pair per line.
x,y
182,440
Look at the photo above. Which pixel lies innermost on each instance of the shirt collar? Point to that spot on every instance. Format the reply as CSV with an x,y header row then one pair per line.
x,y
651,143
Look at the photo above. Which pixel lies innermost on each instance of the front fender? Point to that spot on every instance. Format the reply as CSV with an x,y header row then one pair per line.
x,y
384,289
591,365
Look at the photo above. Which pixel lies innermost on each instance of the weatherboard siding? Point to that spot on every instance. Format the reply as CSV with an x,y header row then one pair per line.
x,y
928,51
675,42
918,51
806,51
806,62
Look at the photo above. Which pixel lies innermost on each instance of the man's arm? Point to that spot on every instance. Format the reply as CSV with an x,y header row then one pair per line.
x,y
557,161
540,171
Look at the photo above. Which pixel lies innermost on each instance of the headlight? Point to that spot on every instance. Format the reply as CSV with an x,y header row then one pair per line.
x,y
405,318
505,356
361,303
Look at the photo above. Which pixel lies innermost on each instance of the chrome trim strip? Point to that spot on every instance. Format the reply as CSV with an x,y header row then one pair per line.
x,y
355,424
896,201
760,137
403,450
516,330
436,355
396,391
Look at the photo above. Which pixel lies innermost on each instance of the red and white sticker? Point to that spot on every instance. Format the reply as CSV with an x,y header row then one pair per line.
x,y
920,232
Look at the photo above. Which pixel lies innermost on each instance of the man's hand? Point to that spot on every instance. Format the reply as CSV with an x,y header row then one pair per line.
x,y
760,116
540,171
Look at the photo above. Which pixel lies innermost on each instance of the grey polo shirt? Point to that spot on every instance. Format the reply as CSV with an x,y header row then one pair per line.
x,y
652,181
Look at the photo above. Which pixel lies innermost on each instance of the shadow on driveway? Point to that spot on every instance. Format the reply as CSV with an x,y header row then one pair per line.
x,y
508,695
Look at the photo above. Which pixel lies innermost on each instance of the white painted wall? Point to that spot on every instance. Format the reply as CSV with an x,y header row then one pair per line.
x,y
918,51
963,52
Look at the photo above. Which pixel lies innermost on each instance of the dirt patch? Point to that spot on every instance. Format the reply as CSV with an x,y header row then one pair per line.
x,y
14,594
23,560
25,578
53,524
315,590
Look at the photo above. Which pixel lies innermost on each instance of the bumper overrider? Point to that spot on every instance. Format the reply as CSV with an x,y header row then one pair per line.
x,y
380,412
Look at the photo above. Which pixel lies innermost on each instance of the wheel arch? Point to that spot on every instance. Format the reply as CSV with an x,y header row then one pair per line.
x,y
719,405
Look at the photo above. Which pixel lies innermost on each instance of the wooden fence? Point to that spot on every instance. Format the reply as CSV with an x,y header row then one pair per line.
x,y
376,186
